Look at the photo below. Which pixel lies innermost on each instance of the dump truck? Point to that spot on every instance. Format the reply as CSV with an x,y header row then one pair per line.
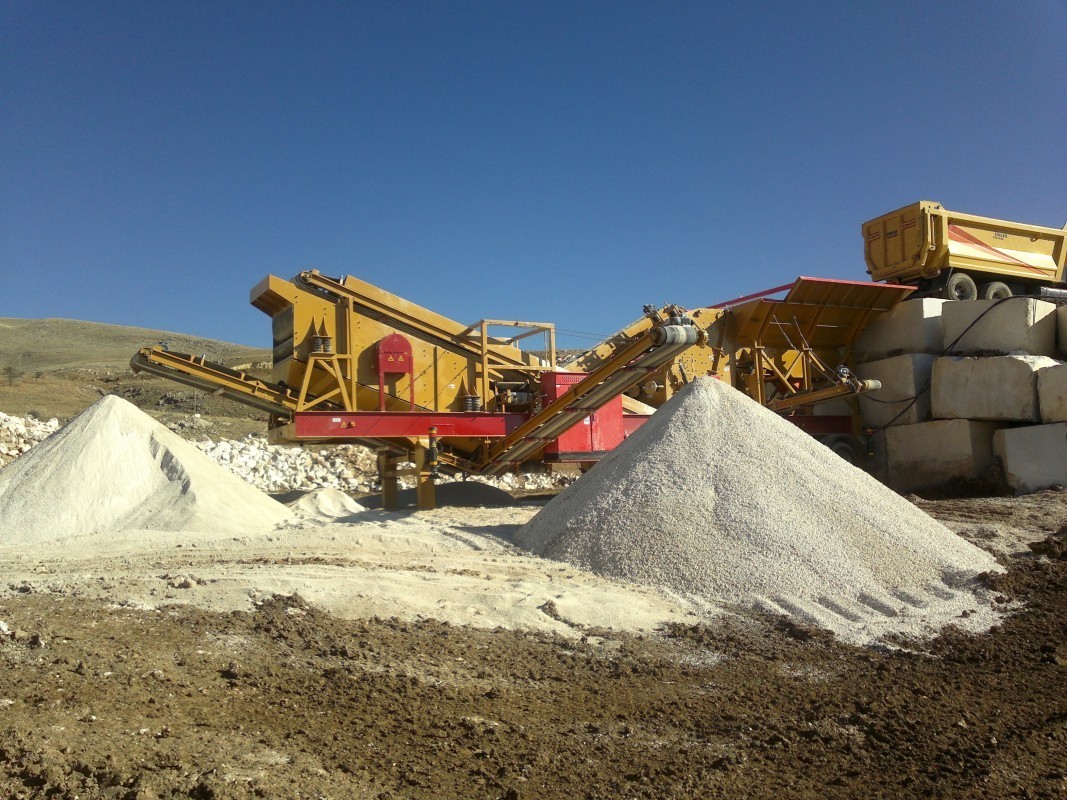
x,y
355,363
964,257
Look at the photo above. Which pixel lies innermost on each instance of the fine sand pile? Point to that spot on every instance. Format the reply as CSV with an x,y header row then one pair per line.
x,y
718,498
326,506
115,468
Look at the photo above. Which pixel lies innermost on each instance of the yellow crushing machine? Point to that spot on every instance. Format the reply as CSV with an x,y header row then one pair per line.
x,y
354,363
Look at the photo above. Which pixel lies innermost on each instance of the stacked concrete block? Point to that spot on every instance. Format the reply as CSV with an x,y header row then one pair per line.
x,y
913,326
934,453
1061,318
1016,325
1034,457
999,388
904,398
1011,380
1052,393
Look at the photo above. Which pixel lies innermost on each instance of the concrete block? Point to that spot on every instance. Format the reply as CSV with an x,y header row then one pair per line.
x,y
934,453
913,326
903,378
1017,325
1034,457
1061,336
1052,393
999,388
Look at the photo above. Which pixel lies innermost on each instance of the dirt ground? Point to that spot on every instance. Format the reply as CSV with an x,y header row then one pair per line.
x,y
102,701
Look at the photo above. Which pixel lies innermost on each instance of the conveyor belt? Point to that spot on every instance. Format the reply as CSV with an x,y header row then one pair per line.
x,y
625,369
216,379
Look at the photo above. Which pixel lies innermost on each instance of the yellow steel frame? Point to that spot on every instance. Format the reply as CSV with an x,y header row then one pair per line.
x,y
333,364
484,340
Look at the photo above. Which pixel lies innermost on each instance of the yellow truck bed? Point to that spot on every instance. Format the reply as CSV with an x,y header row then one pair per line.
x,y
923,243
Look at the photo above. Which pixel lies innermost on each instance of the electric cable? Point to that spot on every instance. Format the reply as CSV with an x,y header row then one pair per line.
x,y
926,386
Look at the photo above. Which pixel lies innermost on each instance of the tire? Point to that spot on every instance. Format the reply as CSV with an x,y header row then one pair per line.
x,y
960,286
997,290
844,446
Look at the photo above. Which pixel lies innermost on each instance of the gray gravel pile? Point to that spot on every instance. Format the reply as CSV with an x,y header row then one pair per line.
x,y
115,468
718,499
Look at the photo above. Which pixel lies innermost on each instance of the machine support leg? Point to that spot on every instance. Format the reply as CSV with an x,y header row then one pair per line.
x,y
387,475
425,498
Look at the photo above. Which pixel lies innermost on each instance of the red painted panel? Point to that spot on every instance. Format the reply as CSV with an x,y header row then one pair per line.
x,y
600,431
607,427
394,358
631,422
394,354
394,424
578,439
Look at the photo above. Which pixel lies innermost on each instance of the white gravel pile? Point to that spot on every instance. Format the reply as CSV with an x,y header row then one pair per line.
x,y
115,468
18,435
326,506
718,499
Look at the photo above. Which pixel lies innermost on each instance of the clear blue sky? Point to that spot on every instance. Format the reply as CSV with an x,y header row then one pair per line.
x,y
557,161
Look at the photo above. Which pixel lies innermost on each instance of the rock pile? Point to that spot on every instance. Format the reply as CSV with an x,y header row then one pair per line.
x,y
325,506
114,468
274,468
718,498
19,434
350,468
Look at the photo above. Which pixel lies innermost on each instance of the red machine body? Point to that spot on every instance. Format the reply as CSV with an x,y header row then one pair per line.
x,y
394,358
595,435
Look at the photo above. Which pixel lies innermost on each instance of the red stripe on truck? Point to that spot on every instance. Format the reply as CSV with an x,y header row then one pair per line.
x,y
958,234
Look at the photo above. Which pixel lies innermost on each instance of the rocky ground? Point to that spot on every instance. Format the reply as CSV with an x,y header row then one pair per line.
x,y
285,700
114,685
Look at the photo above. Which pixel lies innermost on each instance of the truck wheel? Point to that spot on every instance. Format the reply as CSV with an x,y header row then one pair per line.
x,y
844,446
996,290
960,286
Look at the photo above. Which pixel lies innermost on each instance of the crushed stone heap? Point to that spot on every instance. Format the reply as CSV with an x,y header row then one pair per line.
x,y
115,468
326,506
350,468
273,468
717,498
19,435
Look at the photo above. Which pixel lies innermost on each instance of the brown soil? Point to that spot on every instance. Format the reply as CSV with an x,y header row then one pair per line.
x,y
105,702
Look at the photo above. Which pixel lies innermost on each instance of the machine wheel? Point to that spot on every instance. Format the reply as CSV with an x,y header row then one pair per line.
x,y
844,446
960,286
997,290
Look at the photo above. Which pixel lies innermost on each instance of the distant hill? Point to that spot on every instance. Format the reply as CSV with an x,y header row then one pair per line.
x,y
45,345
60,367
